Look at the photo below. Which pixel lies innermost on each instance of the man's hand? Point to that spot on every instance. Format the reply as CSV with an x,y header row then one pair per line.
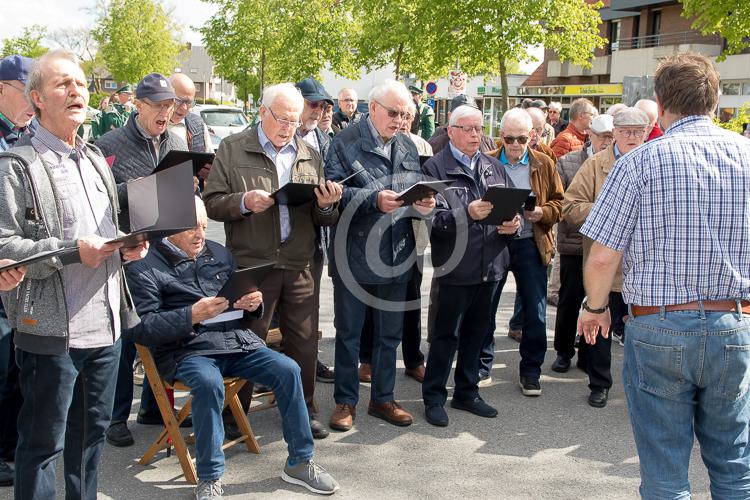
x,y
510,226
328,193
258,201
249,302
479,209
134,253
425,205
208,308
10,278
590,324
387,202
94,250
535,215
203,172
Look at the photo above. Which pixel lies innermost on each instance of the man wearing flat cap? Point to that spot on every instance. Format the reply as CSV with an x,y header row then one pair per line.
x,y
134,151
630,131
424,121
118,112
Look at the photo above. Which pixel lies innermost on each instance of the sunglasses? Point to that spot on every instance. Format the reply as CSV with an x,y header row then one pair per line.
x,y
392,113
316,104
521,139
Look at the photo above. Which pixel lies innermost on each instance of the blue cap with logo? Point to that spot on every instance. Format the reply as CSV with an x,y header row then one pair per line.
x,y
15,68
155,87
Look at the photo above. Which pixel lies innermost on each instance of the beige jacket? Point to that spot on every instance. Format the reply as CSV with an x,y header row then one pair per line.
x,y
581,195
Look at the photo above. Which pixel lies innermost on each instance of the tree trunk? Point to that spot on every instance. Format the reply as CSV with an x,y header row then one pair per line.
x,y
504,82
399,55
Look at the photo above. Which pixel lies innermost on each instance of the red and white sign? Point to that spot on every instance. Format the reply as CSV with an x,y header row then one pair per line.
x,y
456,83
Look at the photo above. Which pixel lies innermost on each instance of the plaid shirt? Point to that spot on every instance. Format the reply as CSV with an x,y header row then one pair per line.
x,y
678,207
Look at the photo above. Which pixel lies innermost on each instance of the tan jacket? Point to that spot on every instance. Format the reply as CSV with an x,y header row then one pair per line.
x,y
546,185
582,193
241,165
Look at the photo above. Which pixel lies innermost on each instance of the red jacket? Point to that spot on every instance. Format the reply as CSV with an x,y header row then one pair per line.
x,y
568,140
655,132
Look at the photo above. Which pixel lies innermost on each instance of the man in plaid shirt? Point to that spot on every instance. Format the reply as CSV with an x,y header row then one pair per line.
x,y
677,211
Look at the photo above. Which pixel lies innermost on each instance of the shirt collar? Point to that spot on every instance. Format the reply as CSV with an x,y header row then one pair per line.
x,y
463,158
266,143
523,161
617,152
55,144
687,121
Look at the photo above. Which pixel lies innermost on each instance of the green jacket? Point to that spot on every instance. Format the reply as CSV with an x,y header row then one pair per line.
x,y
115,116
426,121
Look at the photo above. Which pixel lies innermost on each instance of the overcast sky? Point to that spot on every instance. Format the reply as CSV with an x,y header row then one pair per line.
x,y
59,14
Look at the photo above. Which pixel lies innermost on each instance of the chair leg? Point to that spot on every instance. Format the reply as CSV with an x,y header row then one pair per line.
x,y
241,418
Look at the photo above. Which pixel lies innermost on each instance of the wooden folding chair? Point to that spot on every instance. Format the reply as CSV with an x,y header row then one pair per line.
x,y
171,435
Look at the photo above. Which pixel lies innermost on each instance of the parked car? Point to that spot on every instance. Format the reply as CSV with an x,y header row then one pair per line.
x,y
222,121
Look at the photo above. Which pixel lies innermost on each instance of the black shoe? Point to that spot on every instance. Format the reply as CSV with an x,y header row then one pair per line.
x,y
561,364
598,397
317,429
260,389
119,435
324,373
144,418
436,416
530,386
477,407
6,474
231,431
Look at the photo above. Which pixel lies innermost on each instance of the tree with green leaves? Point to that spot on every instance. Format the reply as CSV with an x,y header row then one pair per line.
x,y
491,33
28,44
257,42
81,42
728,18
137,37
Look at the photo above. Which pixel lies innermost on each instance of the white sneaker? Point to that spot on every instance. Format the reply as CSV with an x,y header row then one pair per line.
x,y
312,476
209,490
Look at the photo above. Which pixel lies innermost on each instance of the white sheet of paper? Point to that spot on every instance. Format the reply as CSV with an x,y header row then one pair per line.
x,y
227,316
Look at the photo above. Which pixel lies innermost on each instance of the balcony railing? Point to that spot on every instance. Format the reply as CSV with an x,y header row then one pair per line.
x,y
678,38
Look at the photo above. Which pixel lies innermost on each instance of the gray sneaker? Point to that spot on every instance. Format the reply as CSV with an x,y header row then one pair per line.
x,y
312,476
208,490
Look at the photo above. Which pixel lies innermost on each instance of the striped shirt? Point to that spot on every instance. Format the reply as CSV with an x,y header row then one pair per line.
x,y
678,208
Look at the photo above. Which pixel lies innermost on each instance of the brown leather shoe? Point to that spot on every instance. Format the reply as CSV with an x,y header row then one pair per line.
x,y
416,373
365,372
342,418
516,335
391,412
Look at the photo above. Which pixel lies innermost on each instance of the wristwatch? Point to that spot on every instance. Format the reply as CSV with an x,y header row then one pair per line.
x,y
585,307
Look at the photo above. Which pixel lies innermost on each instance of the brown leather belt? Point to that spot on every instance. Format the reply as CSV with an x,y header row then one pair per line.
x,y
708,305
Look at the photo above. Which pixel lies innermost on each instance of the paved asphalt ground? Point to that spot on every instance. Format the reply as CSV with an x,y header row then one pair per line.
x,y
551,447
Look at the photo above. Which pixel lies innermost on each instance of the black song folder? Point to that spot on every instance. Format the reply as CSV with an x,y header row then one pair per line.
x,y
506,203
244,281
294,194
41,256
421,190
176,157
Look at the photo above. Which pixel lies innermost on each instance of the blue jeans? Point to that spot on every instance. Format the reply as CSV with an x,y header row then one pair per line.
x,y
349,317
688,373
124,388
531,287
204,375
67,404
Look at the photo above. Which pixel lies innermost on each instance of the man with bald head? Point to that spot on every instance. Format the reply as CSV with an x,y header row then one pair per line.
x,y
652,111
249,166
183,123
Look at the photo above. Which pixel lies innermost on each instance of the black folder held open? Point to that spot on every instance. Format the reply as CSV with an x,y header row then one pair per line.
x,y
506,203
244,281
421,190
177,157
294,194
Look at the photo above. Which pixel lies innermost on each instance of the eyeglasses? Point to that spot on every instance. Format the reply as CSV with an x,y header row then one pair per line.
x,y
521,139
630,132
469,128
347,100
184,102
167,106
286,123
316,104
21,90
392,113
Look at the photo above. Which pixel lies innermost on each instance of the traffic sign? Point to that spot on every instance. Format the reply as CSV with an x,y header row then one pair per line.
x,y
431,88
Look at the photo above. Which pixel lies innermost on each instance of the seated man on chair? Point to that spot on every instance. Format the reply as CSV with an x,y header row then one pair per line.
x,y
175,289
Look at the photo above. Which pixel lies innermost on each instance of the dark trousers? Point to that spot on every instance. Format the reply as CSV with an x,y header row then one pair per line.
x,y
571,296
412,334
124,390
293,294
349,318
598,357
10,392
67,405
316,269
531,286
460,324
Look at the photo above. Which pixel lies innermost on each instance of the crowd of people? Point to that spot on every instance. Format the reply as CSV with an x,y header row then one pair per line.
x,y
637,228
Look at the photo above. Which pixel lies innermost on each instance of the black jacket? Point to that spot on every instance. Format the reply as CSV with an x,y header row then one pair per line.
x,y
481,252
164,286
341,120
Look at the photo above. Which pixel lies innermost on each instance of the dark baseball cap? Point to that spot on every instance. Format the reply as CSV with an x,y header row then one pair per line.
x,y
155,87
15,68
462,100
312,90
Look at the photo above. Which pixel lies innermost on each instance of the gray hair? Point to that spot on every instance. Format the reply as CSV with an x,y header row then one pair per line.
x,y
536,113
555,105
287,89
580,106
615,108
517,115
36,79
464,111
351,91
390,87
650,108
